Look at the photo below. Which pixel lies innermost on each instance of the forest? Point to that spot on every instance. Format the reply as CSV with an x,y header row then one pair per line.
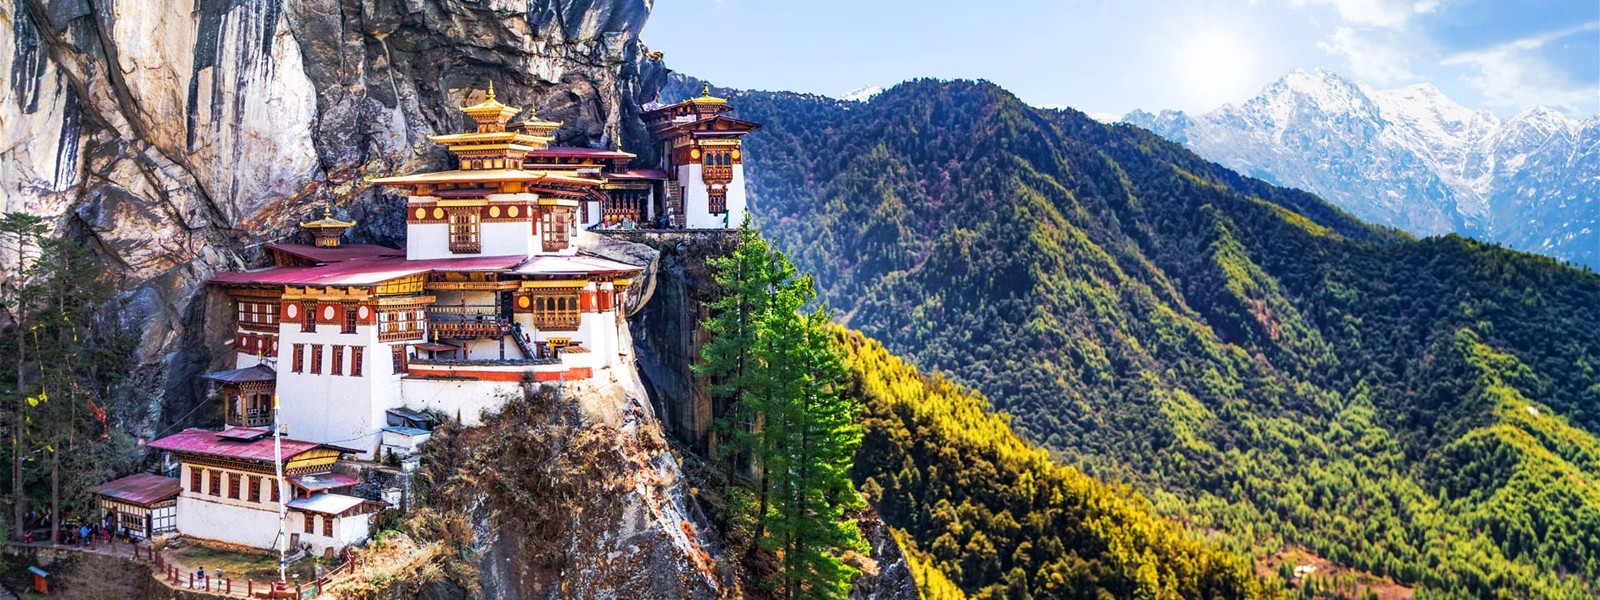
x,y
1260,365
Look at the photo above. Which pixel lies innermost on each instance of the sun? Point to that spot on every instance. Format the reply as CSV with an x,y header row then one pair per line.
x,y
1215,66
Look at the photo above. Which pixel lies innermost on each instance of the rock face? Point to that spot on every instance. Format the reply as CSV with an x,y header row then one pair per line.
x,y
1413,159
177,137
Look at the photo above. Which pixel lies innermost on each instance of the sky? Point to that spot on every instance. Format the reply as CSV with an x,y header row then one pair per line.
x,y
1108,57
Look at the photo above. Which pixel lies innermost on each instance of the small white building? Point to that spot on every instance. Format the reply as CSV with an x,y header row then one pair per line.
x,y
230,491
140,506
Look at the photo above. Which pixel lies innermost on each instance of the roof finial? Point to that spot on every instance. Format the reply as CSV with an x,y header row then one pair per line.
x,y
705,92
327,209
491,89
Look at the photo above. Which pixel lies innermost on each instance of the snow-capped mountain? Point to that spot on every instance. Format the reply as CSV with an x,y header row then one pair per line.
x,y
861,94
1412,158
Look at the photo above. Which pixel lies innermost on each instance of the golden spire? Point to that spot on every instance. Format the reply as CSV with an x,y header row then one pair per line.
x,y
326,231
706,98
490,115
491,90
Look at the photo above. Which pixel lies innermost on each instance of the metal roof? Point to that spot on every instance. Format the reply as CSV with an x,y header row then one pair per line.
x,y
246,375
204,441
317,482
577,264
364,271
143,489
328,504
341,252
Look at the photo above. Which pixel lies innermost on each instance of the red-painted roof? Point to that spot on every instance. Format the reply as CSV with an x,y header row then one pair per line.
x,y
211,443
363,271
575,152
336,254
142,489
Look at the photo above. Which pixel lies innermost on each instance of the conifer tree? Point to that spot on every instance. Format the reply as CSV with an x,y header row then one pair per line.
x,y
777,373
24,230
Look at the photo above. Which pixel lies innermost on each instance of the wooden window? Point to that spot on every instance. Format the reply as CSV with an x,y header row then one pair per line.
x,y
464,231
316,358
350,313
399,359
327,525
299,363
555,222
308,317
311,522
254,493
717,201
194,480
272,484
397,325
337,368
233,486
356,353
558,310
215,483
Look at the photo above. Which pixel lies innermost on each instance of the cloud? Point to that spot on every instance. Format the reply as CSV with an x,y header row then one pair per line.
x,y
1377,57
1514,75
1388,14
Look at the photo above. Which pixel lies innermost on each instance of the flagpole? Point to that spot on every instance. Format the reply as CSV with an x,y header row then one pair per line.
x,y
283,499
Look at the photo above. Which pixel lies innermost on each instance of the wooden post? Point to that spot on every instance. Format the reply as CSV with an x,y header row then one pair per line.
x,y
250,588
191,581
229,582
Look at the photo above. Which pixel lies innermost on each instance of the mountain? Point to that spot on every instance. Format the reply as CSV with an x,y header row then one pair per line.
x,y
1257,362
1412,158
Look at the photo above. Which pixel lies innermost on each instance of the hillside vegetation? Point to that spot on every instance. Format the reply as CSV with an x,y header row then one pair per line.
x,y
995,516
1255,361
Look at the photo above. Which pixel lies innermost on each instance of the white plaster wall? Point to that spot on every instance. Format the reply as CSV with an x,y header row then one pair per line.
x,y
336,409
594,215
346,531
464,400
696,200
225,520
427,240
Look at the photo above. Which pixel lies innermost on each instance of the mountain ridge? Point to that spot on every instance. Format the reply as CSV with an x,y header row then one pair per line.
x,y
1242,353
1413,158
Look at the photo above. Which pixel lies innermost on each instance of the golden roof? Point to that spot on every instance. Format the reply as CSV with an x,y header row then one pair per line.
x,y
327,221
491,110
706,99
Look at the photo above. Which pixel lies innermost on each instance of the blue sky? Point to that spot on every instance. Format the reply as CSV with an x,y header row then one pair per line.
x,y
1108,56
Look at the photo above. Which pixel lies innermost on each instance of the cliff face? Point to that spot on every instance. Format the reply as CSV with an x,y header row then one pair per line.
x,y
176,138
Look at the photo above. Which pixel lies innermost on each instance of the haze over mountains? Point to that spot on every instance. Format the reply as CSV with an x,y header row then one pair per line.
x,y
1412,158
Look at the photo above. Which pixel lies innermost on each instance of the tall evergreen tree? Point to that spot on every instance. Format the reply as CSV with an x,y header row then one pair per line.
x,y
777,381
25,231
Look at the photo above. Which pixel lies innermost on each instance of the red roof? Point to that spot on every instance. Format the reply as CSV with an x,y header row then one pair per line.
x,y
574,152
212,443
363,271
336,254
142,489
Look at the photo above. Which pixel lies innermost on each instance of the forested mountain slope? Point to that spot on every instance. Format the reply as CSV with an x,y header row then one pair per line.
x,y
1249,356
998,516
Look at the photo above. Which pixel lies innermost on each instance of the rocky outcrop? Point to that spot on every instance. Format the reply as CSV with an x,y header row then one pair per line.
x,y
176,138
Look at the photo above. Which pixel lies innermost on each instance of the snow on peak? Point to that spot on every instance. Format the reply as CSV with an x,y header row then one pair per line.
x,y
861,94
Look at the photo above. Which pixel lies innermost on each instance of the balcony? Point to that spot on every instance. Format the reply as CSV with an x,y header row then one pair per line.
x,y
252,417
470,321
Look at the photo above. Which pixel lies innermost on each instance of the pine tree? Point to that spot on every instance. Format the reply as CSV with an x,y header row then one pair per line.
x,y
24,230
780,379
